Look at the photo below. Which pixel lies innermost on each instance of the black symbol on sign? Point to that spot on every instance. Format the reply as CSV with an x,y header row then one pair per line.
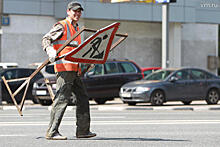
x,y
95,48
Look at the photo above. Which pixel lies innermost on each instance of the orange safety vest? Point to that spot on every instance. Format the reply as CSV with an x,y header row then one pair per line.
x,y
64,65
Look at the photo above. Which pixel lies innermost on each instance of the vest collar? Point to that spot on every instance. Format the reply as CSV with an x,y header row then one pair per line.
x,y
71,21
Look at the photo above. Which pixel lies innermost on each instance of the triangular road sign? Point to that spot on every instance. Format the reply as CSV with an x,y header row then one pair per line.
x,y
94,49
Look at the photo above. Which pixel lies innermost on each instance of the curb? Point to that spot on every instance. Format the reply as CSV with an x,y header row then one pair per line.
x,y
157,108
139,109
11,108
186,108
214,108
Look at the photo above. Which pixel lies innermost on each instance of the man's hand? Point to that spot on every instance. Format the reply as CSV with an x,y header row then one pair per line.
x,y
52,53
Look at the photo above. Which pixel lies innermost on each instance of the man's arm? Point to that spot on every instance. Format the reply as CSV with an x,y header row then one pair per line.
x,y
55,33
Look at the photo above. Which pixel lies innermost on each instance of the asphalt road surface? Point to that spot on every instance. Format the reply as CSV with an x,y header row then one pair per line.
x,y
116,126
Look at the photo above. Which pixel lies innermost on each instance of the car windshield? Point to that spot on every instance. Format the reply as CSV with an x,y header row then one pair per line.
x,y
159,75
50,69
2,72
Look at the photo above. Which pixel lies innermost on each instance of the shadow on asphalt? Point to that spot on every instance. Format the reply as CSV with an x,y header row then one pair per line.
x,y
123,139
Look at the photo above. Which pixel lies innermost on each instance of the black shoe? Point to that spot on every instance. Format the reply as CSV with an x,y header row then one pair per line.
x,y
89,135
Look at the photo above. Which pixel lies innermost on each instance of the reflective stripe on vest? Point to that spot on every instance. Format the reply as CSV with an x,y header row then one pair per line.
x,y
64,65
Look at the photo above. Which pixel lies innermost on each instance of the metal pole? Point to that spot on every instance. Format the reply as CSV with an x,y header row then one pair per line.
x,y
165,35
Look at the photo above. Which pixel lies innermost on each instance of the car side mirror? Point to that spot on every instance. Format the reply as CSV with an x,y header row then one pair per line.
x,y
173,79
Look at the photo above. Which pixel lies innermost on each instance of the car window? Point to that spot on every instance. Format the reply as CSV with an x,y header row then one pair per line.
x,y
39,75
23,73
11,74
159,75
50,69
182,75
147,72
210,76
197,74
98,69
127,67
111,68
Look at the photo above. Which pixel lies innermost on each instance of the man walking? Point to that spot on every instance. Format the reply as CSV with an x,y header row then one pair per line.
x,y
68,81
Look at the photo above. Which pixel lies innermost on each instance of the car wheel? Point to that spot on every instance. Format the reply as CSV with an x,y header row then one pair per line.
x,y
35,100
157,98
100,101
17,98
45,102
186,102
212,97
131,103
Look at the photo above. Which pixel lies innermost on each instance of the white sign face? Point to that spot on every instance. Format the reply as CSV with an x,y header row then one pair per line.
x,y
95,49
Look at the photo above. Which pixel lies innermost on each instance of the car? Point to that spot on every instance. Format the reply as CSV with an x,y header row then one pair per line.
x,y
103,82
149,70
8,65
47,71
15,73
177,84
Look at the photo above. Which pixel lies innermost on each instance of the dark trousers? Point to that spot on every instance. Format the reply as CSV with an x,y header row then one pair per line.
x,y
68,83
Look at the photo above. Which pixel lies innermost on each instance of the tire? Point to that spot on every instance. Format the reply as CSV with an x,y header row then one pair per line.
x,y
212,97
131,103
157,98
100,101
186,102
45,102
35,100
18,99
72,101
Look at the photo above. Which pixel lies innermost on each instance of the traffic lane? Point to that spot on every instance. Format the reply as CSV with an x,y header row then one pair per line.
x,y
125,128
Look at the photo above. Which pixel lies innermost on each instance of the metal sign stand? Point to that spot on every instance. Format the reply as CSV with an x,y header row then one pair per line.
x,y
27,80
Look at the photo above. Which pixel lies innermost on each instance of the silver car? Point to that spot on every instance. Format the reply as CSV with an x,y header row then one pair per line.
x,y
182,84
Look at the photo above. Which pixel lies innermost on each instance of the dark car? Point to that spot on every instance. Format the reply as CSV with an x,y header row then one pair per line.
x,y
103,82
184,84
15,73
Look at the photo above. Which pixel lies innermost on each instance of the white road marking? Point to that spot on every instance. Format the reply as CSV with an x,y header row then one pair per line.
x,y
24,115
68,117
12,135
127,122
65,117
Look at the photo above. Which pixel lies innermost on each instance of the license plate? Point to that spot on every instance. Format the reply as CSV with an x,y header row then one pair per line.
x,y
126,95
41,92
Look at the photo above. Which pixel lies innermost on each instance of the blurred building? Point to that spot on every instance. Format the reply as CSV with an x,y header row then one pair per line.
x,y
193,29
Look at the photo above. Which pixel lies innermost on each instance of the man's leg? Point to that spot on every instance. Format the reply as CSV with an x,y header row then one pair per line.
x,y
60,103
82,109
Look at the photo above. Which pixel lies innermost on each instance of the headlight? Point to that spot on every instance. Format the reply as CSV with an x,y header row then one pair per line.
x,y
35,85
121,90
142,89
54,86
